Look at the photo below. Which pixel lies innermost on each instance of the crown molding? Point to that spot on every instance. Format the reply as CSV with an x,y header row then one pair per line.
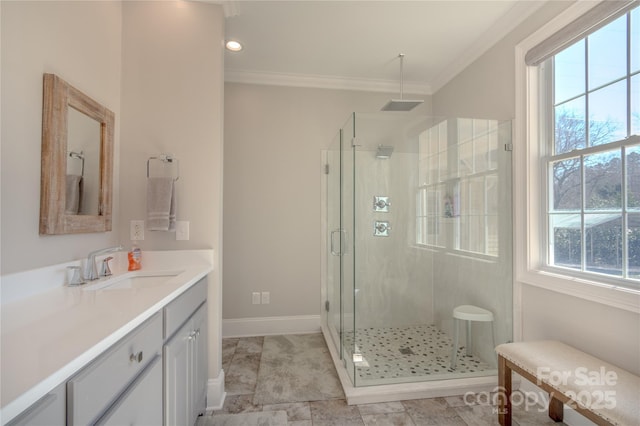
x,y
230,8
512,19
325,82
507,23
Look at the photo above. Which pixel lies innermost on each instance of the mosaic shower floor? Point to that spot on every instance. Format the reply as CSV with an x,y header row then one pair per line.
x,y
398,354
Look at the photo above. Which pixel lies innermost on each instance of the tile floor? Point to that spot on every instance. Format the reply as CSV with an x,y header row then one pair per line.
x,y
241,361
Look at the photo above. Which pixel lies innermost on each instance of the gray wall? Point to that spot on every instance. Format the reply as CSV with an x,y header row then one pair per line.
x,y
487,88
159,67
274,137
172,94
166,98
80,42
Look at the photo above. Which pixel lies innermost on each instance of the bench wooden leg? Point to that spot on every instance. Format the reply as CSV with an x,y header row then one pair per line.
x,y
504,393
556,412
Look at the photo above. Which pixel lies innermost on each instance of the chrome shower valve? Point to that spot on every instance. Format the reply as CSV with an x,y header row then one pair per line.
x,y
381,203
381,228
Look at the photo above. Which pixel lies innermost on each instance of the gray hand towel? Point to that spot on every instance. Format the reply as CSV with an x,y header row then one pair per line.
x,y
73,194
161,204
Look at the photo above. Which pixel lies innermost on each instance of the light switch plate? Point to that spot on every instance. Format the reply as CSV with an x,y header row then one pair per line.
x,y
182,230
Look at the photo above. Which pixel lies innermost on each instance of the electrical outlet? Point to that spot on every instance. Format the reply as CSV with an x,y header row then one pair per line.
x,y
182,230
266,298
255,298
137,230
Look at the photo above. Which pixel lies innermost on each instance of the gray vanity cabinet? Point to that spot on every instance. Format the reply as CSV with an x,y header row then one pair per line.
x,y
140,403
200,360
156,374
116,376
185,357
48,411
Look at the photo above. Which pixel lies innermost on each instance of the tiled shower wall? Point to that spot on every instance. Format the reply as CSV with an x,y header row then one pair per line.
x,y
400,283
394,278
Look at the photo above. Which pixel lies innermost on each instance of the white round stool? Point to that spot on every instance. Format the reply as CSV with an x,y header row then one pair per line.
x,y
468,313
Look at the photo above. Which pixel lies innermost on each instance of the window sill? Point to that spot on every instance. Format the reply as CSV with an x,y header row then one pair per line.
x,y
598,292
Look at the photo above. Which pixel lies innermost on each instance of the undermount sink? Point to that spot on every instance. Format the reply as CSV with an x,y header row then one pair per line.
x,y
134,280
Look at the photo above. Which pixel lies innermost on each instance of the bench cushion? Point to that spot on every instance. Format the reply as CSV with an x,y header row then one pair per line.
x,y
610,392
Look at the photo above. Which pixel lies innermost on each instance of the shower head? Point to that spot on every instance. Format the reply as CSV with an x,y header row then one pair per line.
x,y
384,152
401,104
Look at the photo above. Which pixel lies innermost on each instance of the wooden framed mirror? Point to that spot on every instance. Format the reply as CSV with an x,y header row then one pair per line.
x,y
76,183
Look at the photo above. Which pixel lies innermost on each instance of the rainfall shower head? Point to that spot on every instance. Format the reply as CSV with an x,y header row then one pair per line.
x,y
384,152
401,104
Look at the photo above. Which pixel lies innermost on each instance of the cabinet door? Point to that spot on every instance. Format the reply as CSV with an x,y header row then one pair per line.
x,y
141,403
178,383
200,361
94,388
50,410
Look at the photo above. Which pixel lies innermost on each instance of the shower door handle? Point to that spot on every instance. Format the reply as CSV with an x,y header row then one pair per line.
x,y
333,250
343,242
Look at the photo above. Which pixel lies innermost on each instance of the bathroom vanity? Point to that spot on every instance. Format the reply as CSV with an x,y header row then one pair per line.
x,y
126,349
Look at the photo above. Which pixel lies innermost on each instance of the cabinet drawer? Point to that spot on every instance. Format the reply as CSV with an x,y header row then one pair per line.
x,y
141,403
178,311
48,411
91,391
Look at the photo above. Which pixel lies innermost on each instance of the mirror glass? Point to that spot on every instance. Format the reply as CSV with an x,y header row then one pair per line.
x,y
83,164
76,184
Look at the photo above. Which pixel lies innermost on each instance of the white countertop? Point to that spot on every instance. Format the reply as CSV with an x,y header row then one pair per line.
x,y
49,335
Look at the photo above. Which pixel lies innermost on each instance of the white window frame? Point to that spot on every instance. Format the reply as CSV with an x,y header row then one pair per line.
x,y
529,207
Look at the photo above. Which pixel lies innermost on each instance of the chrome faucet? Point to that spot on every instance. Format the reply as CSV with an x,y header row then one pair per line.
x,y
105,271
91,271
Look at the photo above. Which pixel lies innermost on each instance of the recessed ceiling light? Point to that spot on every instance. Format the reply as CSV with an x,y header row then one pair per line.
x,y
233,46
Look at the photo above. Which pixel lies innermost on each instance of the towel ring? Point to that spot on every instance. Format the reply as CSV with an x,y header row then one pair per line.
x,y
166,159
78,156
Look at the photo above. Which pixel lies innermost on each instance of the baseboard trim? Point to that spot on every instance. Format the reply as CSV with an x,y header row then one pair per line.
x,y
267,326
216,393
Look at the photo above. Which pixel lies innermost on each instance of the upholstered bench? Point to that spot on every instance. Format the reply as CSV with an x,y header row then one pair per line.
x,y
602,392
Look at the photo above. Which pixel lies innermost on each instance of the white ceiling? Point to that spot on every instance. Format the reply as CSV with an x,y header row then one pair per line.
x,y
355,44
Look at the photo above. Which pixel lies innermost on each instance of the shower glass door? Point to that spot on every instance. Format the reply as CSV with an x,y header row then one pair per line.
x,y
333,300
347,244
340,288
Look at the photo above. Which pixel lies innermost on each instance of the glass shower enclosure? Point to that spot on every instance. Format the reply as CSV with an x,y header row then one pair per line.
x,y
417,222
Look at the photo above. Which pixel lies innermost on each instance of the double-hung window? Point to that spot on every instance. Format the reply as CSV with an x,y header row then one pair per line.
x,y
589,122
